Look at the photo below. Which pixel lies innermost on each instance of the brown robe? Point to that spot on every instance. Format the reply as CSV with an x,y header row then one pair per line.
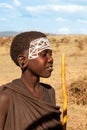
x,y
29,113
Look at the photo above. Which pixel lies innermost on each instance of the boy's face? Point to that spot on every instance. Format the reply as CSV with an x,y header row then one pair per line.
x,y
42,66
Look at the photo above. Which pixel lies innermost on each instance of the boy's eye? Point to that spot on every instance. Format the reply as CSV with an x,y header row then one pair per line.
x,y
45,53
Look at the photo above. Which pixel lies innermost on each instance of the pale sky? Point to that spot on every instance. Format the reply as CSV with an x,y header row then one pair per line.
x,y
48,16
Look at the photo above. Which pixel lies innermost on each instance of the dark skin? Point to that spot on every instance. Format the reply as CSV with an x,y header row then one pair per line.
x,y
36,68
32,70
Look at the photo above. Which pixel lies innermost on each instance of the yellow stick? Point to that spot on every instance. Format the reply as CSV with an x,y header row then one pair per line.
x,y
63,69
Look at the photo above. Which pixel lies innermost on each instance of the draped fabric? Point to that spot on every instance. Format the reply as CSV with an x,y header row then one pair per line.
x,y
29,113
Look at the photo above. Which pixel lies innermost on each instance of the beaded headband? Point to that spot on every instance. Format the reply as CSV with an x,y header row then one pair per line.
x,y
37,46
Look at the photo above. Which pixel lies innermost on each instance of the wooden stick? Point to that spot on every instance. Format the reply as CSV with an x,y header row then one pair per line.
x,y
64,93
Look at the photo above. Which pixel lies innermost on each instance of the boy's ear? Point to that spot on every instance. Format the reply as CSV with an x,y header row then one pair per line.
x,y
22,61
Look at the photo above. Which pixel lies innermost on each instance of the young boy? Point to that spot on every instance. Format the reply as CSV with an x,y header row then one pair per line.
x,y
25,103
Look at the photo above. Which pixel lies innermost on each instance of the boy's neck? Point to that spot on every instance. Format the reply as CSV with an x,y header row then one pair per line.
x,y
33,85
29,80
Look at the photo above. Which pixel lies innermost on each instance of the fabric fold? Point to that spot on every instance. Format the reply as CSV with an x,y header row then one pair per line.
x,y
29,113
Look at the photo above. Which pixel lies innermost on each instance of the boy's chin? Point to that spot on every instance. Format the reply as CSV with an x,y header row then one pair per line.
x,y
47,76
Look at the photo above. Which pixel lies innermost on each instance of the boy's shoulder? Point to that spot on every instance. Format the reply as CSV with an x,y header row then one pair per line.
x,y
49,90
4,89
48,87
4,94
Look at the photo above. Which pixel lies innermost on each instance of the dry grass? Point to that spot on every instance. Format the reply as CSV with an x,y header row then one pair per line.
x,y
75,49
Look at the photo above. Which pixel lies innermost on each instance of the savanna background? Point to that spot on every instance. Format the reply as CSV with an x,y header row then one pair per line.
x,y
75,49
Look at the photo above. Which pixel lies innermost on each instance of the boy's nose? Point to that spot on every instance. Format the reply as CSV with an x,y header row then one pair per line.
x,y
50,59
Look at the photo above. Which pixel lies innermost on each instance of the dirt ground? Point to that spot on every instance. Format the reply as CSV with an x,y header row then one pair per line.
x,y
76,77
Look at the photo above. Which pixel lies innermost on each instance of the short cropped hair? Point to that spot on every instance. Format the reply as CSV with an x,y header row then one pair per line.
x,y
21,43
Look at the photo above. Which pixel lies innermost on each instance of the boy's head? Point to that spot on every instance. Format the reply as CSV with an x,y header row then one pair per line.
x,y
22,41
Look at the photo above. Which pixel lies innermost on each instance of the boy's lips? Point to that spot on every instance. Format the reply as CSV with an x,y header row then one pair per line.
x,y
50,68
